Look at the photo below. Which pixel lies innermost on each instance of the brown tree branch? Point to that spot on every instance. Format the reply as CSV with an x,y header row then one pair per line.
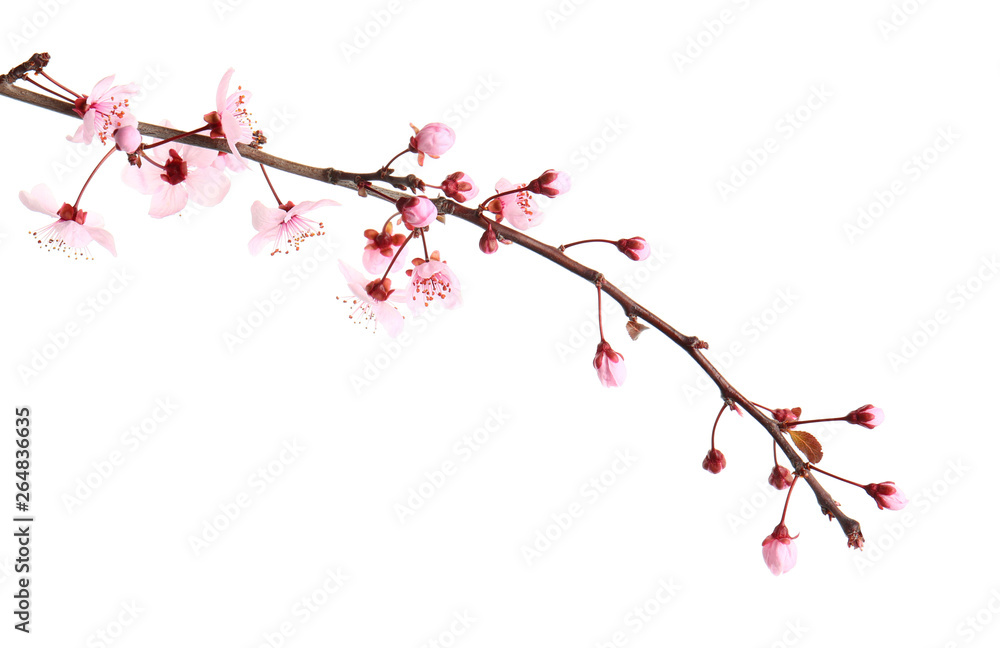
x,y
355,181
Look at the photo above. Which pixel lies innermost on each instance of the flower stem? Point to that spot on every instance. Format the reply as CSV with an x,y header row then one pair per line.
x,y
177,137
788,499
385,167
828,474
396,256
271,186
562,248
823,420
716,424
104,159
49,90
42,72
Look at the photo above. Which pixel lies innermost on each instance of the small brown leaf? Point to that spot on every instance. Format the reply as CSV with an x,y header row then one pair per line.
x,y
634,329
808,444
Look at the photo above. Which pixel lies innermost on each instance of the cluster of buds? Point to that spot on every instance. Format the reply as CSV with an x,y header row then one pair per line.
x,y
779,548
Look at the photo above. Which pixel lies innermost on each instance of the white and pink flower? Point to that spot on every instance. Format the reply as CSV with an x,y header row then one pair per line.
x,y
433,139
381,248
433,281
177,175
887,496
230,120
285,226
779,550
520,208
374,300
73,230
104,111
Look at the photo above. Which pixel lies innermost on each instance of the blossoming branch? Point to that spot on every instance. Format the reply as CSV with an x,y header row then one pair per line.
x,y
175,167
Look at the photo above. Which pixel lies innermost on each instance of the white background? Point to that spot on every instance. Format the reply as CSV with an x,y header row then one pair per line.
x,y
527,86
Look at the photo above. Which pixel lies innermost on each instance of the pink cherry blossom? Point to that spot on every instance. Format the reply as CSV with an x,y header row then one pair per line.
x,y
460,187
887,496
433,139
181,173
551,183
417,211
380,248
432,281
230,119
634,248
373,299
73,230
610,365
520,209
103,111
779,550
227,161
285,225
714,462
867,415
780,477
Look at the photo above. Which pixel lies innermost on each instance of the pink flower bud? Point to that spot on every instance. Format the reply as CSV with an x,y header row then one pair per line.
x,y
488,242
433,140
551,183
128,139
634,248
787,415
781,478
460,187
610,365
417,211
779,550
714,461
887,496
868,416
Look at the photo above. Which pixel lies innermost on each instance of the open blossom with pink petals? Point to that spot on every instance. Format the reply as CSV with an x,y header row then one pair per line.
x,y
103,111
779,550
520,209
374,300
231,119
887,496
381,248
635,248
433,281
610,365
286,225
184,172
433,139
551,183
868,416
73,230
